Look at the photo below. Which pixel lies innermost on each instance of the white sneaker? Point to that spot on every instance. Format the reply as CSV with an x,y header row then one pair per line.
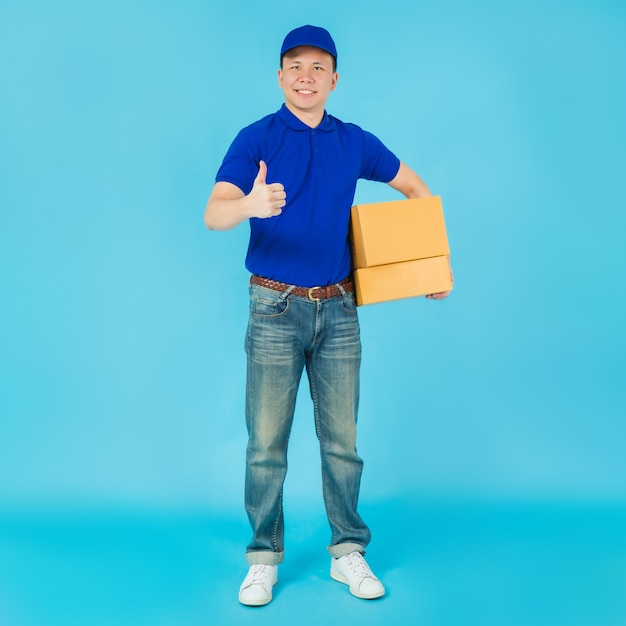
x,y
256,588
352,570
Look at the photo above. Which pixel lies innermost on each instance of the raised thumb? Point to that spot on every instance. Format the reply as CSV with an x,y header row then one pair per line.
x,y
260,177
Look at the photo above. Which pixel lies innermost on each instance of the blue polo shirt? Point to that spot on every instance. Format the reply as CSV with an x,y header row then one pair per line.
x,y
307,244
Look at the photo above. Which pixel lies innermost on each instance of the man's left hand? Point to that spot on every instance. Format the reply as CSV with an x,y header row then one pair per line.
x,y
442,294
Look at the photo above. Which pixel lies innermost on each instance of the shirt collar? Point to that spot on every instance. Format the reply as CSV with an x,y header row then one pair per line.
x,y
290,120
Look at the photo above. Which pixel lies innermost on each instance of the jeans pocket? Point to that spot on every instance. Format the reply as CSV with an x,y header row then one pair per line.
x,y
349,303
266,305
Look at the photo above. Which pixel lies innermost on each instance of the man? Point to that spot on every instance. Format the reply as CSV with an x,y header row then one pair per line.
x,y
293,174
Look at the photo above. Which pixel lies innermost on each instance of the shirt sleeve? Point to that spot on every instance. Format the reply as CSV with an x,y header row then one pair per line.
x,y
241,163
379,163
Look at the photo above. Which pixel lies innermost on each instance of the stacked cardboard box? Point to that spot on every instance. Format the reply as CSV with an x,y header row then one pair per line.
x,y
399,249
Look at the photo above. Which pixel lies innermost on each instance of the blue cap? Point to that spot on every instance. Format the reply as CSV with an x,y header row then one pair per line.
x,y
309,36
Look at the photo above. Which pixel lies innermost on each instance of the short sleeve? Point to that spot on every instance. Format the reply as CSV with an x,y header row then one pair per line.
x,y
241,163
379,163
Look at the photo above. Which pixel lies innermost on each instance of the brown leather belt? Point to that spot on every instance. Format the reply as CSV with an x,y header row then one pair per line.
x,y
312,293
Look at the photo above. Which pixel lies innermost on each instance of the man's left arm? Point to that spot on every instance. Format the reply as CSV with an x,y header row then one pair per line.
x,y
408,183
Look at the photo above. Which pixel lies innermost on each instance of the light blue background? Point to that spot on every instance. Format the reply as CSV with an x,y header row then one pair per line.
x,y
122,318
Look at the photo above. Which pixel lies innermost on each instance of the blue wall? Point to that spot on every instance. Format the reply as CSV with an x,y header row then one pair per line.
x,y
122,318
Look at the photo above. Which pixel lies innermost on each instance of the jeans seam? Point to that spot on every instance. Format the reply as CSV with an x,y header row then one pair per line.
x,y
277,523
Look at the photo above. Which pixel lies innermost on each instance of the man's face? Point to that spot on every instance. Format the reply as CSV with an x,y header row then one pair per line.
x,y
307,78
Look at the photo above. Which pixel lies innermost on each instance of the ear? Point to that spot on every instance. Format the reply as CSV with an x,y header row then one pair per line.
x,y
280,78
333,84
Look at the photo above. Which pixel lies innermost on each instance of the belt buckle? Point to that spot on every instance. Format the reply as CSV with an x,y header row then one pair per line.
x,y
311,294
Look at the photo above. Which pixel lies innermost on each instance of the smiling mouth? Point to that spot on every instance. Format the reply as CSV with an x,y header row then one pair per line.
x,y
305,92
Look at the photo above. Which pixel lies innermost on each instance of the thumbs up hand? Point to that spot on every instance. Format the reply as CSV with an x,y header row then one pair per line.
x,y
262,175
266,200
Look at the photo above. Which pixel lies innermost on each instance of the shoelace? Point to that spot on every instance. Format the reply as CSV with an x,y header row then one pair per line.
x,y
358,565
261,575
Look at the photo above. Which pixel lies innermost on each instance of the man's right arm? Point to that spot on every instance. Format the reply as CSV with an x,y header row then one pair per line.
x,y
228,206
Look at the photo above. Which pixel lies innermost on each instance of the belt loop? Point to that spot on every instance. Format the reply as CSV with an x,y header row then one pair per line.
x,y
285,294
343,291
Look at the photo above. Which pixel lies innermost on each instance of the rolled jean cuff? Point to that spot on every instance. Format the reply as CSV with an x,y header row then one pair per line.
x,y
264,557
342,549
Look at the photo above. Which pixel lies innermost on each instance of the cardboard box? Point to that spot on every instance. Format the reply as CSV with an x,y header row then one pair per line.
x,y
408,279
397,231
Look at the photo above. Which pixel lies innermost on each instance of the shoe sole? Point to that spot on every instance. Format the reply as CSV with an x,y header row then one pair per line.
x,y
258,603
363,596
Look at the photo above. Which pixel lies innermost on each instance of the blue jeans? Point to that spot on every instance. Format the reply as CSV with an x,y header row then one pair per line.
x,y
287,334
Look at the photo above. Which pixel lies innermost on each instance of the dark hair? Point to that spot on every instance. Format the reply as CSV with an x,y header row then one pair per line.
x,y
334,60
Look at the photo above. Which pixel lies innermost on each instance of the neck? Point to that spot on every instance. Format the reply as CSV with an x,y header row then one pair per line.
x,y
310,118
